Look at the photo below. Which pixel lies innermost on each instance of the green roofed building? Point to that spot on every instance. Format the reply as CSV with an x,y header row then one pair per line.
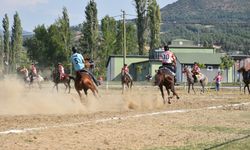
x,y
186,54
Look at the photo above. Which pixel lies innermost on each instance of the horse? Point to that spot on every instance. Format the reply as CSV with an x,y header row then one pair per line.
x,y
126,80
65,80
165,78
83,81
190,79
27,77
246,78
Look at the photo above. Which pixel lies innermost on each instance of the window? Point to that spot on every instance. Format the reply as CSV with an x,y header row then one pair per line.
x,y
210,68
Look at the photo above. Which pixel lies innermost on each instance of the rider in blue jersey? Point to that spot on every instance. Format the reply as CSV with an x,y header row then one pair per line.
x,y
78,62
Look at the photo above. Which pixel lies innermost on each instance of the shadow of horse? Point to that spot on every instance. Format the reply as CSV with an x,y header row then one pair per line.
x,y
190,80
246,78
83,81
165,78
66,80
126,80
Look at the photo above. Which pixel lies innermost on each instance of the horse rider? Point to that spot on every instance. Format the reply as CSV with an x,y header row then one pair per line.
x,y
78,63
125,70
61,70
33,72
196,71
168,61
25,71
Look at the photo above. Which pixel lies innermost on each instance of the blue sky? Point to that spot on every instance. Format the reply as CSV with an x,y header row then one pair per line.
x,y
37,12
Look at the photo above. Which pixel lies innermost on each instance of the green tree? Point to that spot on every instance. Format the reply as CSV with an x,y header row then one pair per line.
x,y
132,45
65,30
154,20
16,42
226,62
119,38
90,29
6,39
141,8
108,28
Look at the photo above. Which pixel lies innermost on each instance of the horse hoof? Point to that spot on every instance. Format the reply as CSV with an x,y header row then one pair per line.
x,y
178,97
169,102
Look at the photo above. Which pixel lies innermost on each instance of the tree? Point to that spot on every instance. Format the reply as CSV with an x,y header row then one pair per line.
x,y
132,45
65,30
154,16
16,42
90,28
141,8
6,39
226,62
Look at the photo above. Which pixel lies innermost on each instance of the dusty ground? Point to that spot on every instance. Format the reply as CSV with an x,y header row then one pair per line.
x,y
136,120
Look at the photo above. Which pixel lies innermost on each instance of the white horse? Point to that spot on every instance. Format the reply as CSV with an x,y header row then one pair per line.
x,y
27,78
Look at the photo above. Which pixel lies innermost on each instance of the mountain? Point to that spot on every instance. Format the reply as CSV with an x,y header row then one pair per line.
x,y
220,22
26,34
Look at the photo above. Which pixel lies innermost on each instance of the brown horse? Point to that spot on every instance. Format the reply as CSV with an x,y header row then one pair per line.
x,y
65,80
190,80
83,81
246,78
126,80
165,78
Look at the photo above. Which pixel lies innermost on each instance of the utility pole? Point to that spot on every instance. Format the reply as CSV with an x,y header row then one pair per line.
x,y
124,37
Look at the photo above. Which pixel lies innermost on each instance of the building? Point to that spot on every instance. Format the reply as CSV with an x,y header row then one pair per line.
x,y
186,52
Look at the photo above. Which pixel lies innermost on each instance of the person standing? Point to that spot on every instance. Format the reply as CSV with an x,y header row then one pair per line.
x,y
218,79
78,63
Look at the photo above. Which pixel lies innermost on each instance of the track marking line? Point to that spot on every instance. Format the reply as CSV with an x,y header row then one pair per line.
x,y
24,130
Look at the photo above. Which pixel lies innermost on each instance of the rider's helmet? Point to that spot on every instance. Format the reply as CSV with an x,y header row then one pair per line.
x,y
166,48
74,49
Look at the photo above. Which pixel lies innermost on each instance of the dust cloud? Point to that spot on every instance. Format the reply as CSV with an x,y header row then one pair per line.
x,y
16,98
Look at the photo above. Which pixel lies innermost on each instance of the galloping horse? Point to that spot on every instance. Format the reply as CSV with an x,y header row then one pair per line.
x,y
246,78
165,78
65,80
27,78
190,80
125,79
83,81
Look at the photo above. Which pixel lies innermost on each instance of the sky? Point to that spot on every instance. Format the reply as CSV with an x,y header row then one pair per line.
x,y
37,12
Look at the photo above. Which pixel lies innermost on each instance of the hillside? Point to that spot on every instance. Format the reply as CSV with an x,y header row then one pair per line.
x,y
221,22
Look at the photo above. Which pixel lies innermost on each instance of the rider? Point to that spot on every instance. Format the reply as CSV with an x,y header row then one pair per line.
x,y
168,60
61,70
196,71
33,72
78,62
125,70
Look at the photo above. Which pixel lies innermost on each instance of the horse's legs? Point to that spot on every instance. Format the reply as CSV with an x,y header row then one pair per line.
x,y
193,87
189,87
174,93
162,93
203,86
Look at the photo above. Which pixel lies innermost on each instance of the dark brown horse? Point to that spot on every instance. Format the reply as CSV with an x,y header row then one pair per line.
x,y
246,78
165,78
126,80
83,81
65,80
190,80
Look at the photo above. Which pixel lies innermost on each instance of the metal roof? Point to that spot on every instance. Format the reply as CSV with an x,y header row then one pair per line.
x,y
188,58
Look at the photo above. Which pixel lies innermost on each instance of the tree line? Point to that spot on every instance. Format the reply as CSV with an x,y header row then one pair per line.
x,y
97,39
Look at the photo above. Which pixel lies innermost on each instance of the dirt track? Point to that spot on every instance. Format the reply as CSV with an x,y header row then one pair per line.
x,y
51,120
